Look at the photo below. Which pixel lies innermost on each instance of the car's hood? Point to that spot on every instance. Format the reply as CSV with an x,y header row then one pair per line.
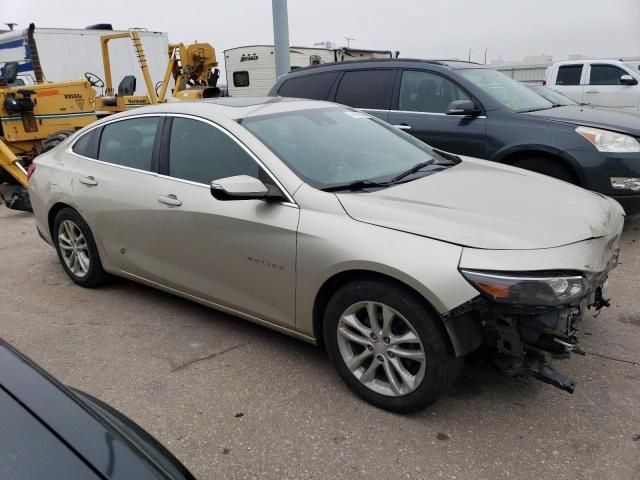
x,y
487,205
608,119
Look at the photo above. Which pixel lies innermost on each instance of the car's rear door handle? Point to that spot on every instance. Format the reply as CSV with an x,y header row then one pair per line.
x,y
170,200
592,91
403,126
89,181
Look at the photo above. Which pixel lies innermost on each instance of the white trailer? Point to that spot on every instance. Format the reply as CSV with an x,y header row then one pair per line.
x,y
62,54
251,70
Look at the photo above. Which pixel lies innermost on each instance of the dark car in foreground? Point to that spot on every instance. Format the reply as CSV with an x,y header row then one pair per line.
x,y
49,431
470,109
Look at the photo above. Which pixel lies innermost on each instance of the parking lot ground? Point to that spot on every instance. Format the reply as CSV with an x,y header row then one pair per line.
x,y
234,400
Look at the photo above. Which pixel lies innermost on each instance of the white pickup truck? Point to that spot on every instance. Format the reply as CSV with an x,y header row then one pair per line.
x,y
601,83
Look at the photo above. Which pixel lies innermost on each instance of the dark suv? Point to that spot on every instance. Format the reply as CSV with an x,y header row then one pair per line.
x,y
470,109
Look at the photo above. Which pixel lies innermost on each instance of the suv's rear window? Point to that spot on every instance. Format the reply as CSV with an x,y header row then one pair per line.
x,y
315,87
365,88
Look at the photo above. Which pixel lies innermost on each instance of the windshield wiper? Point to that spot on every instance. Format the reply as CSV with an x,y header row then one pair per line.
x,y
411,171
355,185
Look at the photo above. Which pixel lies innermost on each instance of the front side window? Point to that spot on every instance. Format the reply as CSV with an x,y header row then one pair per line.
x,y
129,143
315,87
201,153
508,92
241,79
569,75
365,88
427,92
605,75
328,147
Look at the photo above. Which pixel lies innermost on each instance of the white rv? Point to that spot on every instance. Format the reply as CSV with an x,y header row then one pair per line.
x,y
251,70
62,54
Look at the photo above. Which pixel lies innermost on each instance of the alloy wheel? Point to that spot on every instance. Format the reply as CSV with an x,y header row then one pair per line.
x,y
381,348
74,249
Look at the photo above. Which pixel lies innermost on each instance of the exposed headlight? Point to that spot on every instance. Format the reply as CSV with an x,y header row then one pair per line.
x,y
528,289
606,141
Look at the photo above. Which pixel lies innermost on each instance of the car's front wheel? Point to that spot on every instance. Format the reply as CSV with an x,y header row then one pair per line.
x,y
388,346
77,249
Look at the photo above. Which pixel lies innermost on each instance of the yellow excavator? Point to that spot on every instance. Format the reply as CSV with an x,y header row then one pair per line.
x,y
35,118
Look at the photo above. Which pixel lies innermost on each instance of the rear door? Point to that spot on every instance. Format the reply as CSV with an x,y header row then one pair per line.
x,y
239,254
369,90
420,105
116,194
605,90
569,80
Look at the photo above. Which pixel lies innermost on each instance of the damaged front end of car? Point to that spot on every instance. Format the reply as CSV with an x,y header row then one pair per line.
x,y
529,317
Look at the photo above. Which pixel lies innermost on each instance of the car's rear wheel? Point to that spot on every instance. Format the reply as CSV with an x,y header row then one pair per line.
x,y
77,250
552,167
388,346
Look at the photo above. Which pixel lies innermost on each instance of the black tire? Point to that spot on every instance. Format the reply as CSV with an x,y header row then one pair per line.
x,y
442,367
548,166
95,275
52,140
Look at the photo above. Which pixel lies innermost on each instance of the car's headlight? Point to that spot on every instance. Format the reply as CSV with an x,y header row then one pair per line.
x,y
606,141
515,289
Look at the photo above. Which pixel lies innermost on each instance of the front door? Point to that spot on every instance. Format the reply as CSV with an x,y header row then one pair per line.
x,y
605,90
239,254
117,193
420,109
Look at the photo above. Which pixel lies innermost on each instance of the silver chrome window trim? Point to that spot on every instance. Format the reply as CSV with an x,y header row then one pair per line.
x,y
435,113
290,201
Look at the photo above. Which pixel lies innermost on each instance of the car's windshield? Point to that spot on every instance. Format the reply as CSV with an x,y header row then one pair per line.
x,y
330,147
554,97
510,93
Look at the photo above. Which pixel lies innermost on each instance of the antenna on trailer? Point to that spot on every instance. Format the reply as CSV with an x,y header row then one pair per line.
x,y
349,40
11,25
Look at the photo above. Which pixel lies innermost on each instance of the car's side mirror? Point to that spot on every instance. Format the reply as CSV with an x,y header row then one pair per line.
x,y
627,80
243,187
463,108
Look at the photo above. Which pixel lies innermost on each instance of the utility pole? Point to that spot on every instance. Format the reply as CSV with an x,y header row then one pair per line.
x,y
469,54
349,40
485,56
281,37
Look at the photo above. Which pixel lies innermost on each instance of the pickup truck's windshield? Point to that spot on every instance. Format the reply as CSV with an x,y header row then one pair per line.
x,y
332,147
513,95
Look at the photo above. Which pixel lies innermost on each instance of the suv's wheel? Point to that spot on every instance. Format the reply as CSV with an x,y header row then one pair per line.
x,y
552,168
77,249
388,346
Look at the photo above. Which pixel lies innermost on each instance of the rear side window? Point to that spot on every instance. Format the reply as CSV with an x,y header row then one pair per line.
x,y
605,75
202,153
129,143
241,79
315,87
569,75
365,88
84,145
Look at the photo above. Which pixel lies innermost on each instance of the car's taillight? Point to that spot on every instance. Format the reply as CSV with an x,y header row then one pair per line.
x,y
31,170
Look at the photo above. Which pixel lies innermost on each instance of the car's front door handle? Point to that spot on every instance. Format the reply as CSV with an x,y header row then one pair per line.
x,y
88,181
403,126
592,91
170,200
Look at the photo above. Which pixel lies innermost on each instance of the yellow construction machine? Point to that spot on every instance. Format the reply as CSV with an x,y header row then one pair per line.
x,y
34,119
193,68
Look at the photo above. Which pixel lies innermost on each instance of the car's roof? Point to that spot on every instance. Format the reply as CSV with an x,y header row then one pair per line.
x,y
389,62
234,108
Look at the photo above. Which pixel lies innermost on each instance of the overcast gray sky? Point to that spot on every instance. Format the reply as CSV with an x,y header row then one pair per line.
x,y
510,29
